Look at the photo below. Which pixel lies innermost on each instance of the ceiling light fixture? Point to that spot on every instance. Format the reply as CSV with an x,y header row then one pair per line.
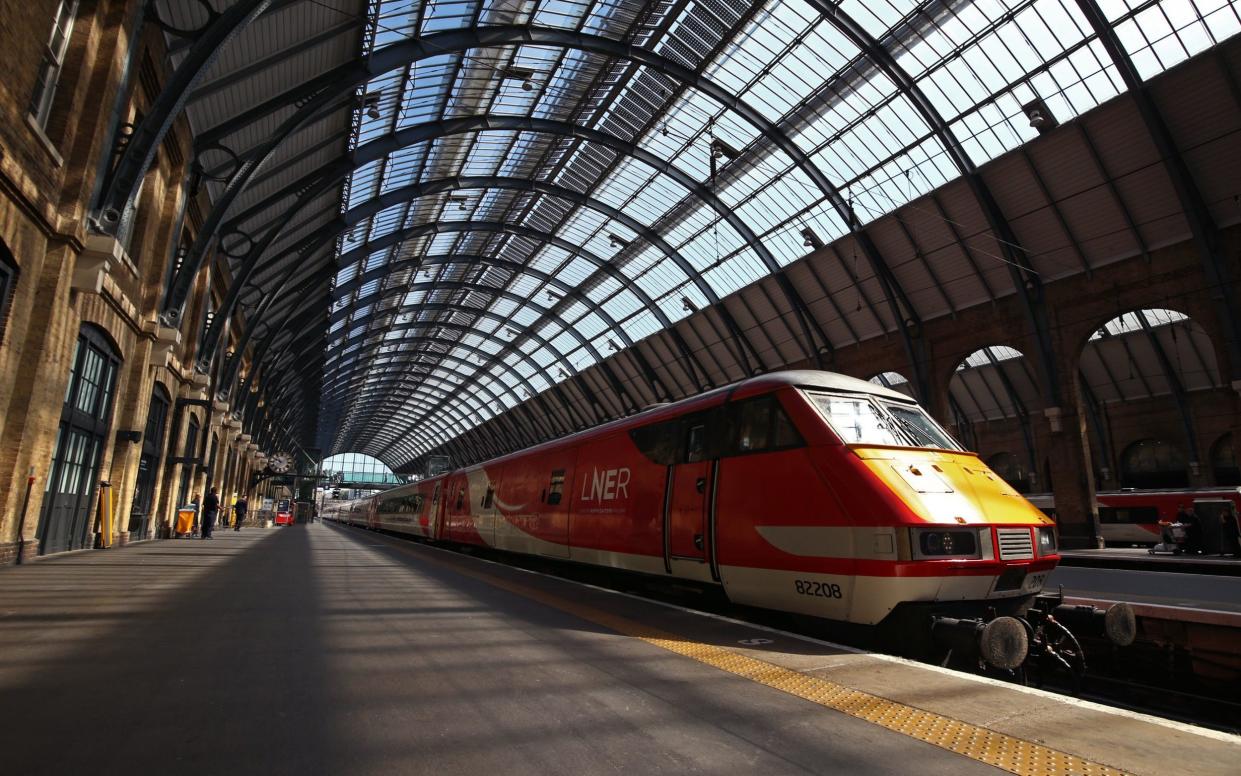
x,y
687,305
370,103
721,149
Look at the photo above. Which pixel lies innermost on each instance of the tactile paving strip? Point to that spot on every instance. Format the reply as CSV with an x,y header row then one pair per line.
x,y
1008,753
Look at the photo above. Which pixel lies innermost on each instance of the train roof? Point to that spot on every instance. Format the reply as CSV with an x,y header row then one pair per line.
x,y
750,386
814,378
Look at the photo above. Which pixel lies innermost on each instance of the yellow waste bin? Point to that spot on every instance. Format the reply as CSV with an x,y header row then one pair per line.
x,y
185,520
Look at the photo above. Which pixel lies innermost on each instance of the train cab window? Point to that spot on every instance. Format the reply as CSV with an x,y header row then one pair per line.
x,y
915,424
489,498
856,420
435,496
460,499
555,488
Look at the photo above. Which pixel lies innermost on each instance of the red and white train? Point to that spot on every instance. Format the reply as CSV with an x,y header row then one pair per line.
x,y
1133,516
802,491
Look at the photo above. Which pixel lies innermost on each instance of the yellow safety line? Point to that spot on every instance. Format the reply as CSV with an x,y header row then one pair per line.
x,y
1008,753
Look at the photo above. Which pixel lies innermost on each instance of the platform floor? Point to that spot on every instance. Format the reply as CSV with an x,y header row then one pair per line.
x,y
1162,588
320,649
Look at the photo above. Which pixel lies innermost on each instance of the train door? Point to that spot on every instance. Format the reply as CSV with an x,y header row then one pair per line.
x,y
437,511
689,500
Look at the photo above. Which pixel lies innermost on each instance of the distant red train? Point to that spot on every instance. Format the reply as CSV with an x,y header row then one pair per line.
x,y
807,492
1129,517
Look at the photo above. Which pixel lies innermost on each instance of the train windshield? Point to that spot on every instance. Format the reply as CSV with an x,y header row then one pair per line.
x,y
860,420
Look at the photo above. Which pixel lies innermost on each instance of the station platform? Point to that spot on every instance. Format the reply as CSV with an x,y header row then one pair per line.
x,y
323,649
1140,559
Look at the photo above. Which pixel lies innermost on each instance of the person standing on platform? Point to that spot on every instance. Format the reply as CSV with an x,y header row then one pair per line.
x,y
211,509
1193,529
1230,532
239,512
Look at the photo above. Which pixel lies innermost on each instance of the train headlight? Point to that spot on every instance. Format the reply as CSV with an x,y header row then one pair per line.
x,y
1047,540
945,543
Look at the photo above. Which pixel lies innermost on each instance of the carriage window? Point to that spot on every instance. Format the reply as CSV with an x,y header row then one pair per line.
x,y
435,497
753,427
1128,515
659,442
695,442
784,433
555,487
761,424
489,498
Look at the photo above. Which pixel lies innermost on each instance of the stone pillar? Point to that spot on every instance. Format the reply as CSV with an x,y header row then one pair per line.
x,y
1072,475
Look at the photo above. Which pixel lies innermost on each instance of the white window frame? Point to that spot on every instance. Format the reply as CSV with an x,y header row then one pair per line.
x,y
53,62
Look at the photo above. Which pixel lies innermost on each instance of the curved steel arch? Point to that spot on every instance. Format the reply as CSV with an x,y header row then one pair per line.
x,y
366,392
388,380
495,358
412,50
425,401
251,328
432,130
444,306
544,313
333,387
427,404
330,232
398,236
567,290
325,234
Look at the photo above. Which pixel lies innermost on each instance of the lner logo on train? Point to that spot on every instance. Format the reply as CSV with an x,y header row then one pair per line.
x,y
606,484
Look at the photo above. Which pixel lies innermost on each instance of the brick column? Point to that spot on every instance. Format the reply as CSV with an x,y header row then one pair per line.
x,y
1072,473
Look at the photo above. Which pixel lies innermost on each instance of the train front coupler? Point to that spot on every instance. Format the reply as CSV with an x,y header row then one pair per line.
x,y
1041,637
1053,628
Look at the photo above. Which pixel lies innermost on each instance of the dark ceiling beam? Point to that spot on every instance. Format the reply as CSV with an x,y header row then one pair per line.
x,y
112,208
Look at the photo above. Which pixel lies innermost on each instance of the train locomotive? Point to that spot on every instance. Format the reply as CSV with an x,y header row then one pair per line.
x,y
802,491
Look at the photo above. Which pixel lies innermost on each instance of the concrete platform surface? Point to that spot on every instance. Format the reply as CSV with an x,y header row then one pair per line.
x,y
1140,559
1167,588
319,649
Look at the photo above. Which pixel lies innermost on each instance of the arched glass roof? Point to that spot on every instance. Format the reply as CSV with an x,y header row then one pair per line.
x,y
358,468
541,184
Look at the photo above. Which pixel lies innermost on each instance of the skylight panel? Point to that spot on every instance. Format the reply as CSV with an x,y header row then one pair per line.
x,y
622,305
591,326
